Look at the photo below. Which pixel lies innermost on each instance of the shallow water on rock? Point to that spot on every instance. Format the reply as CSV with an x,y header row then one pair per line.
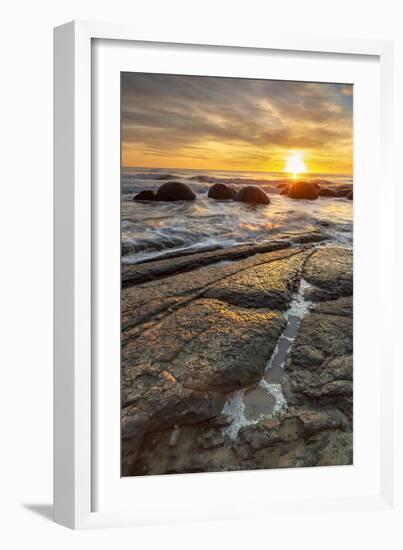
x,y
251,405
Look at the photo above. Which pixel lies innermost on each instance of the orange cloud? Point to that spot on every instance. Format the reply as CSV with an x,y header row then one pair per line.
x,y
234,124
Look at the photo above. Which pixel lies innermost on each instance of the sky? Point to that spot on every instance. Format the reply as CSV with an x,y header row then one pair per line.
x,y
214,123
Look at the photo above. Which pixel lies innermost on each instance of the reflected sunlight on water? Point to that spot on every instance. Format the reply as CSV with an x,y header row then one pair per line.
x,y
150,228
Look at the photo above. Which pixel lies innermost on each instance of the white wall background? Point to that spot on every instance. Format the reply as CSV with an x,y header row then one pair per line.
x,y
26,260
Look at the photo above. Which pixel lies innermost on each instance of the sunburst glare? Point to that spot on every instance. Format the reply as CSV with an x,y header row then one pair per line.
x,y
295,165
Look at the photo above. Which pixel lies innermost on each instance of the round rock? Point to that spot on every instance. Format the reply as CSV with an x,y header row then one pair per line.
x,y
221,191
175,191
303,190
146,195
253,194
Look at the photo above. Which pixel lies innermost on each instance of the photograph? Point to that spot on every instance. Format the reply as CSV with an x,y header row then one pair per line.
x,y
236,302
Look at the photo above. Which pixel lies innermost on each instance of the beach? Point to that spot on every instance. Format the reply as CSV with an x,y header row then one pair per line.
x,y
236,324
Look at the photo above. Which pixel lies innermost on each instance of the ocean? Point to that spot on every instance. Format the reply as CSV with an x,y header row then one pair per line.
x,y
152,230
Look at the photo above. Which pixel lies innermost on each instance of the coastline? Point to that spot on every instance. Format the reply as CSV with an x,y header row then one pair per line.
x,y
202,330
157,229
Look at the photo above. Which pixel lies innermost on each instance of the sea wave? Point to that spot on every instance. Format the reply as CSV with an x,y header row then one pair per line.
x,y
154,230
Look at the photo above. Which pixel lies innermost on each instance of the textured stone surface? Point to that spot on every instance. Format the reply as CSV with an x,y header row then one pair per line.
x,y
331,269
205,345
253,195
303,190
221,191
190,339
148,271
156,298
184,350
267,285
296,439
175,191
341,306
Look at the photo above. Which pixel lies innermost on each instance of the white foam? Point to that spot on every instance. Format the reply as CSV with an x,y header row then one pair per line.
x,y
299,307
235,407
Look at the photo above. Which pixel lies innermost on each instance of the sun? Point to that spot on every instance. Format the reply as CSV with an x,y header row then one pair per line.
x,y
295,165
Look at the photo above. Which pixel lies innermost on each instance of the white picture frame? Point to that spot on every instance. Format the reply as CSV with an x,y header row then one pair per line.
x,y
77,470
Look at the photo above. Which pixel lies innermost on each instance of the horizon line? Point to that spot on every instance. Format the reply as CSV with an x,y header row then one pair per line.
x,y
226,170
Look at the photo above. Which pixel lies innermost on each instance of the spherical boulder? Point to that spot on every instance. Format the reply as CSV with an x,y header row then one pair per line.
x,y
146,195
175,191
253,194
221,191
303,190
326,192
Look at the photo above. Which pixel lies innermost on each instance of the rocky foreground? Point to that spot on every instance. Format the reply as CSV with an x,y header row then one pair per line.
x,y
198,328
